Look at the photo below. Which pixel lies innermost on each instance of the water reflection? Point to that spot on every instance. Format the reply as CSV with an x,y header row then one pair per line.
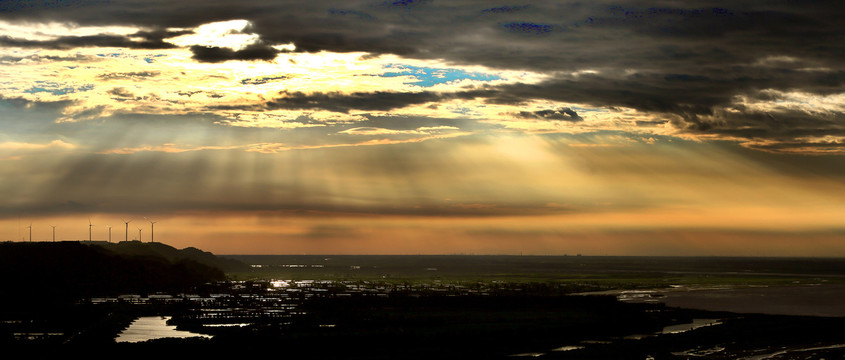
x,y
153,327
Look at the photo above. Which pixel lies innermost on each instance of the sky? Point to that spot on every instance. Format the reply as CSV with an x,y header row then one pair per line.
x,y
707,128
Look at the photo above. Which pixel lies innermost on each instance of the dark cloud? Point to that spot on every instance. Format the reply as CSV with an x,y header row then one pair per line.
x,y
650,122
783,124
339,102
798,147
565,114
687,62
673,93
121,93
363,101
263,79
159,35
21,103
648,34
40,58
70,42
213,54
528,28
335,42
342,12
697,103
504,9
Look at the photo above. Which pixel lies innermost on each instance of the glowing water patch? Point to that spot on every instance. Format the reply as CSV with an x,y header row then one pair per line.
x,y
568,348
151,328
427,76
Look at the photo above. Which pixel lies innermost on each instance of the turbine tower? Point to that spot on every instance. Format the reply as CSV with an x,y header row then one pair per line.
x,y
54,232
30,232
152,230
127,227
139,233
89,229
109,226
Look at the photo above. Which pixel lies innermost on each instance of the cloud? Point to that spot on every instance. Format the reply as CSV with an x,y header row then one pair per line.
x,y
263,79
810,145
370,131
528,28
56,144
213,54
272,148
360,101
122,93
166,148
159,35
131,75
505,9
694,66
71,42
17,150
37,58
607,26
565,114
344,103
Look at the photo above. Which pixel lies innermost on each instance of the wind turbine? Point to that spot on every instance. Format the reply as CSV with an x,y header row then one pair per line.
x,y
152,230
127,227
139,233
109,226
30,232
54,232
89,229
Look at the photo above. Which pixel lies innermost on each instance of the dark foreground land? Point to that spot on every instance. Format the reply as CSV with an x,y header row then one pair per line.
x,y
417,307
472,327
440,327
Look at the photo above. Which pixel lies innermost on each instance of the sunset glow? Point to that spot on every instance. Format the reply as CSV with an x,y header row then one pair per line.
x,y
424,127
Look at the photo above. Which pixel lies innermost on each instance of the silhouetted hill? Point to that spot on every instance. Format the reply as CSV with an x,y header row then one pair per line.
x,y
137,248
47,273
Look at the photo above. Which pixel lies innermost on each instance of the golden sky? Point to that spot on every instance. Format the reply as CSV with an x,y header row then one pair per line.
x,y
414,127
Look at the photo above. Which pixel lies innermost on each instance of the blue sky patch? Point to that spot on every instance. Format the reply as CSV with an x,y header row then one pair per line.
x,y
427,77
151,59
